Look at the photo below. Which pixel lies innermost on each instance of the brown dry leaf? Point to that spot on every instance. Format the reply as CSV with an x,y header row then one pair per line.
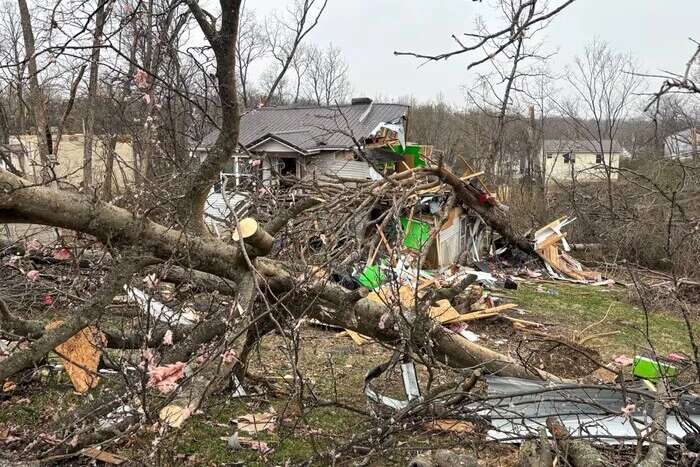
x,y
453,426
256,423
8,386
80,356
103,456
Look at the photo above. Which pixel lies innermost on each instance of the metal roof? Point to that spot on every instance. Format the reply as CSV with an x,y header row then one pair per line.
x,y
313,128
561,146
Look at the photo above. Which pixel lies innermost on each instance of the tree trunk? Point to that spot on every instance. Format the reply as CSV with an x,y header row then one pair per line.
x,y
37,96
100,18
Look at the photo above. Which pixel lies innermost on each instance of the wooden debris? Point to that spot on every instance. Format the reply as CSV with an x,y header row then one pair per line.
x,y
443,312
174,415
257,423
103,456
252,233
80,356
357,338
454,426
547,240
487,313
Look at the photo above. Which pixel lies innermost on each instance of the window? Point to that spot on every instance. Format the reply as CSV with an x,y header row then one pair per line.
x,y
598,158
569,157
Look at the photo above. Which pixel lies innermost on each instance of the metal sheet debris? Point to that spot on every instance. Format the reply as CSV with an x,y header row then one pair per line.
x,y
590,412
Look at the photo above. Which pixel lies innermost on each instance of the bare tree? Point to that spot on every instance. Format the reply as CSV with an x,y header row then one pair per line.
x,y
327,79
252,46
285,35
605,86
526,15
101,14
37,96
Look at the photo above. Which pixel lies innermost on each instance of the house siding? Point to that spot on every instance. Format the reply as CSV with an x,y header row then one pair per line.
x,y
585,167
336,164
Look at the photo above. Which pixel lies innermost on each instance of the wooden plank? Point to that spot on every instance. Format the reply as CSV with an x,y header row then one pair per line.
x,y
551,240
466,178
483,313
357,338
443,312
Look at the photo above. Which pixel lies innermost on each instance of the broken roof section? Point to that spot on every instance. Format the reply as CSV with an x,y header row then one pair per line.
x,y
310,129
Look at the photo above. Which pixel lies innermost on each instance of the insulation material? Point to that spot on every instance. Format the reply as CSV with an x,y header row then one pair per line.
x,y
160,311
80,356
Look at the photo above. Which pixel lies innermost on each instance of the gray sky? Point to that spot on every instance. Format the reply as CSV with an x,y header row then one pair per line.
x,y
368,31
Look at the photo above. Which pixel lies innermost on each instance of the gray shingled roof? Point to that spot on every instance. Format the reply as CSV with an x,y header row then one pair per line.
x,y
561,146
311,128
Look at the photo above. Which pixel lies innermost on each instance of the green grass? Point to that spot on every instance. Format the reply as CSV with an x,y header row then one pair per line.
x,y
575,306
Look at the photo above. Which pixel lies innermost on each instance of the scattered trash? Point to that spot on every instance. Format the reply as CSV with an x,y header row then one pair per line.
x,y
62,254
259,422
623,360
652,369
160,311
410,382
164,378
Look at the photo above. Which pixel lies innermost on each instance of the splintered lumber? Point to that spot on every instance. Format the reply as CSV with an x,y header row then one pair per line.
x,y
487,313
251,233
80,356
493,216
358,339
443,312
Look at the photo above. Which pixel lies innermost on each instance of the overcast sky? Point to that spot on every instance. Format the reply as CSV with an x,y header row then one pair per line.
x,y
368,31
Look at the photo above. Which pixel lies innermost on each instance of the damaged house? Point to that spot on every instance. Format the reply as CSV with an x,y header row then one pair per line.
x,y
359,141
302,141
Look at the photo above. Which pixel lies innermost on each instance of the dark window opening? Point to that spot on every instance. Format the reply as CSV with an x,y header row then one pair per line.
x,y
288,167
598,158
569,158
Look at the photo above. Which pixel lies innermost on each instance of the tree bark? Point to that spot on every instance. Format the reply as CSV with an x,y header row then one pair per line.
x,y
581,453
100,19
37,96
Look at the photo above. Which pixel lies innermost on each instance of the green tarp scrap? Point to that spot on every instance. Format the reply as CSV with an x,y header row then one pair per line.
x,y
416,234
410,150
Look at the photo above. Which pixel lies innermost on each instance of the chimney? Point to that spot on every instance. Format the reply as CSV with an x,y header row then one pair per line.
x,y
361,101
